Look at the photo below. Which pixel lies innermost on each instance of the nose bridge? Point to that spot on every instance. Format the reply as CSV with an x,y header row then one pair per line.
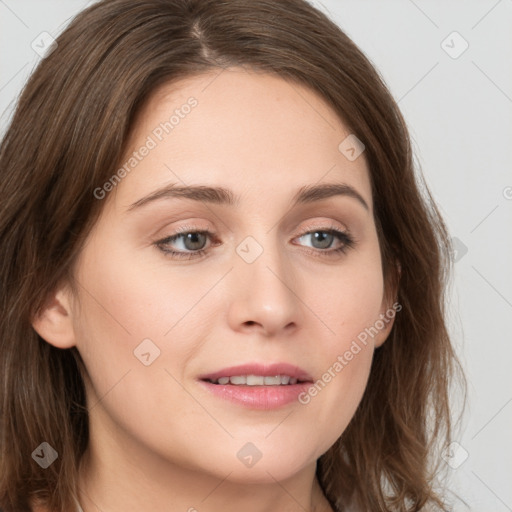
x,y
263,284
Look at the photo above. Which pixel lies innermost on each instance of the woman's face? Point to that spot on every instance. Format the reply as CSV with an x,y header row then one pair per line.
x,y
280,280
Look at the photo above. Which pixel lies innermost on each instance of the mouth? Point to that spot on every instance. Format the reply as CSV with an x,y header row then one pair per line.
x,y
258,386
257,380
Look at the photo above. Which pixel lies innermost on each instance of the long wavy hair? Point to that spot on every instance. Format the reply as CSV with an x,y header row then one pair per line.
x,y
67,137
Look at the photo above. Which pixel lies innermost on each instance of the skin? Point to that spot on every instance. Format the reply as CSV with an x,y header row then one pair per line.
x,y
159,441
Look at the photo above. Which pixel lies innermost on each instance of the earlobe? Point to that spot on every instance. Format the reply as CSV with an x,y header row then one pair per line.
x,y
54,321
384,325
389,309
386,320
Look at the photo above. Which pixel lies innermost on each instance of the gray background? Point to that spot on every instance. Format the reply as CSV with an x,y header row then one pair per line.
x,y
459,111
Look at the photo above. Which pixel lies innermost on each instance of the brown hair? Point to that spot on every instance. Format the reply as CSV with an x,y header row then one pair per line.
x,y
67,137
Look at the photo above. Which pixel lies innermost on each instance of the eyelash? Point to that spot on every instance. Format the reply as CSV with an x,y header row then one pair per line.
x,y
347,243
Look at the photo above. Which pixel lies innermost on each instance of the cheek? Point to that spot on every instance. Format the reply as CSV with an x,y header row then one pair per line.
x,y
125,314
344,363
349,306
346,299
132,313
132,298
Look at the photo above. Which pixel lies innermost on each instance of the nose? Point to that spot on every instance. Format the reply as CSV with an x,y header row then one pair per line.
x,y
264,298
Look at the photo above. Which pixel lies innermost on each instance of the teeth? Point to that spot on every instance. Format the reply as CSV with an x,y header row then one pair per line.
x,y
256,380
240,379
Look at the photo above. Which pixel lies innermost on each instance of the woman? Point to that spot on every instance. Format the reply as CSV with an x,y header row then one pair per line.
x,y
221,287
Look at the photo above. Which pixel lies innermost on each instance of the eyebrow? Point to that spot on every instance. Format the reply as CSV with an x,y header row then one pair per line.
x,y
224,196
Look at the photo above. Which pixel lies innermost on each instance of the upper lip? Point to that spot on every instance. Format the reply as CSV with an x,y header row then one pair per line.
x,y
265,370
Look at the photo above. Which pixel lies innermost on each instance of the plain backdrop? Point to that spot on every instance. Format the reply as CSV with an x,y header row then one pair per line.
x,y
449,66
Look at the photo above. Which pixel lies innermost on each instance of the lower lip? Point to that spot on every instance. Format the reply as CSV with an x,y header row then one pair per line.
x,y
258,397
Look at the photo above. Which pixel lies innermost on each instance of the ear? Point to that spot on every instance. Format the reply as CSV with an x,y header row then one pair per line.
x,y
54,321
389,309
385,321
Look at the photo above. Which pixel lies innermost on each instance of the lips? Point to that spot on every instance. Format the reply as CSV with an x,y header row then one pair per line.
x,y
258,386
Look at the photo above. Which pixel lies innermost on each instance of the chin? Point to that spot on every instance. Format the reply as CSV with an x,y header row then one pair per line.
x,y
272,466
263,474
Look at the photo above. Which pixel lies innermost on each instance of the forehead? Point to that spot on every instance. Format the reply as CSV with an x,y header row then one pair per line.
x,y
255,133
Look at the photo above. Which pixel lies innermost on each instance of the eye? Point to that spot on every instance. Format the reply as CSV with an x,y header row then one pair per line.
x,y
322,239
187,244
